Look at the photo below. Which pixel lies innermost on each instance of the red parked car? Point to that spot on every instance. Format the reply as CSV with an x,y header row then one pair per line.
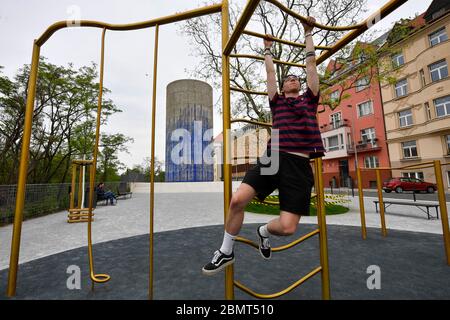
x,y
408,184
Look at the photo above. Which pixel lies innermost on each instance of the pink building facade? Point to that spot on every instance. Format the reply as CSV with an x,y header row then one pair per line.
x,y
354,134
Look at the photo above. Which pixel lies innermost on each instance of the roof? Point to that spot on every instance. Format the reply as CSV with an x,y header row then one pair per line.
x,y
436,9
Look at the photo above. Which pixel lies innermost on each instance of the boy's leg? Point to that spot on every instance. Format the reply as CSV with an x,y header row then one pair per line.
x,y
225,256
243,195
284,225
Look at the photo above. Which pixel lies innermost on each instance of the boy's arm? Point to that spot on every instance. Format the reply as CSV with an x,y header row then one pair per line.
x,y
270,69
312,77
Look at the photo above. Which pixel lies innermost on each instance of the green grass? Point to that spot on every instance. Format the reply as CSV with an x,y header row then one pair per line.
x,y
257,207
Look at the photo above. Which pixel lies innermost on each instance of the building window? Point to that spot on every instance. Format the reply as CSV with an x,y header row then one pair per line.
x,y
398,60
401,88
362,84
409,149
422,78
333,143
427,110
367,135
405,118
438,37
413,175
442,106
371,162
447,139
365,108
448,178
438,70
335,120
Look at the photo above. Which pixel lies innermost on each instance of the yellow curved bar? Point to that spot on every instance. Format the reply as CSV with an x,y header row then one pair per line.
x,y
303,19
248,91
362,27
131,26
23,173
278,294
152,166
99,278
264,124
281,248
240,25
249,56
289,43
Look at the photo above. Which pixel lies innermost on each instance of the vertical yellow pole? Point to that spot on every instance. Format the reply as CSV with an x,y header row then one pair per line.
x,y
361,204
321,220
94,160
23,168
80,185
152,165
381,202
227,188
443,208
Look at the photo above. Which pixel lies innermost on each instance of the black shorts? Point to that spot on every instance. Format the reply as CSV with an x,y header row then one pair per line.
x,y
294,181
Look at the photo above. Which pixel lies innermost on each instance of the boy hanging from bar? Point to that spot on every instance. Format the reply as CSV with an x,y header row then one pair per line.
x,y
299,140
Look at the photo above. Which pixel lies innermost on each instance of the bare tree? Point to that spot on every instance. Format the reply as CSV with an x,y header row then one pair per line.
x,y
204,33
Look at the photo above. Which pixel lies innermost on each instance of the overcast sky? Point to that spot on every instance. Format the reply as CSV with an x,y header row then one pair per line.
x,y
128,57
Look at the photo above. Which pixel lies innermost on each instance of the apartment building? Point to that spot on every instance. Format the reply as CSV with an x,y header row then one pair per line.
x,y
247,144
353,132
417,101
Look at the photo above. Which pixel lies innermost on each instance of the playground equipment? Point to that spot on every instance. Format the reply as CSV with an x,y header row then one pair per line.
x,y
76,212
228,43
321,231
436,165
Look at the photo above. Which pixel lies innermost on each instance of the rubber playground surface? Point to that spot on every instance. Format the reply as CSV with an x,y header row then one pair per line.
x,y
411,264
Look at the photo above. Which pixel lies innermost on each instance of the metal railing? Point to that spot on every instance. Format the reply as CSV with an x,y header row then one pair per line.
x,y
436,164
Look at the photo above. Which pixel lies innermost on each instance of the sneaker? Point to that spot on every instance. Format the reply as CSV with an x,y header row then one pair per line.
x,y
264,246
219,262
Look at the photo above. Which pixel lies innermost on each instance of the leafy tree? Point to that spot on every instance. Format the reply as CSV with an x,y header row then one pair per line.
x,y
63,122
108,163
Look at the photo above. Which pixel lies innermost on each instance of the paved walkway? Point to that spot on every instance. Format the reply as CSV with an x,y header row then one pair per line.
x,y
52,234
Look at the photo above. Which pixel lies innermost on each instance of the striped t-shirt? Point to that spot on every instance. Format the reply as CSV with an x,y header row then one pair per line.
x,y
296,121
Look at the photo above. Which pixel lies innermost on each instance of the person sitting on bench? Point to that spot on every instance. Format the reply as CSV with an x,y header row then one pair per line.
x,y
107,195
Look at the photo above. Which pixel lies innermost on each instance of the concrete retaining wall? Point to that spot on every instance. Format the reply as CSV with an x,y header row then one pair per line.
x,y
181,187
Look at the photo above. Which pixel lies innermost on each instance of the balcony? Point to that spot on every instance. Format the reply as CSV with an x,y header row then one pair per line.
x,y
334,125
364,146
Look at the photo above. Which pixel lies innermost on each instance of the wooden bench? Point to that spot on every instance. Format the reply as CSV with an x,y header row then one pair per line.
x,y
122,191
388,203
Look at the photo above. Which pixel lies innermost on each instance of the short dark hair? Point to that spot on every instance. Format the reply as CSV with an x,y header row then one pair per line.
x,y
290,76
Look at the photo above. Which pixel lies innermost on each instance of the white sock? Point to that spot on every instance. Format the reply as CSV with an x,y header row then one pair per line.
x,y
264,231
228,243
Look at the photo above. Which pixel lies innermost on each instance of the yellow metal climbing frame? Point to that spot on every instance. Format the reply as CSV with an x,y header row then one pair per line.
x,y
228,43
